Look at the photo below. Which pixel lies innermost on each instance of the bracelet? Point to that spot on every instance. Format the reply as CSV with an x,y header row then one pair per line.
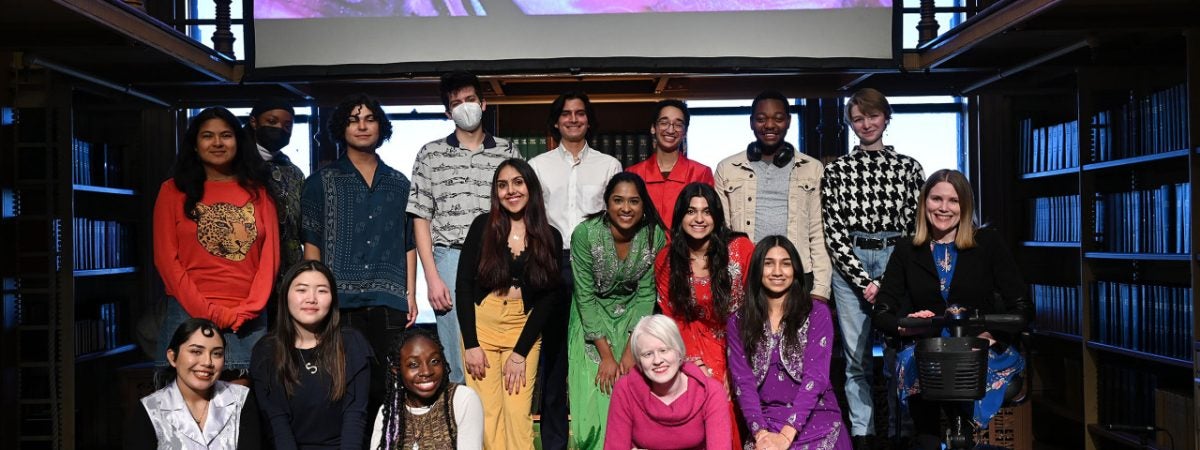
x,y
517,362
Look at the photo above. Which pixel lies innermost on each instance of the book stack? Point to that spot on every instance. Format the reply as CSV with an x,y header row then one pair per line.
x,y
1057,308
1145,221
102,244
1048,148
1155,123
98,334
1055,219
1146,318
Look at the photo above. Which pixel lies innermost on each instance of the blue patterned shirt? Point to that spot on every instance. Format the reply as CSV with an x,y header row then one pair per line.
x,y
363,232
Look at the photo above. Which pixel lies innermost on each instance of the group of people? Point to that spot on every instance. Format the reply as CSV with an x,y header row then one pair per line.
x,y
663,306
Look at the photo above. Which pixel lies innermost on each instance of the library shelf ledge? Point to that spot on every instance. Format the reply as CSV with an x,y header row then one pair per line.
x,y
104,190
1139,256
102,272
1167,360
1128,440
1135,160
1050,244
105,353
1058,335
1050,173
1056,408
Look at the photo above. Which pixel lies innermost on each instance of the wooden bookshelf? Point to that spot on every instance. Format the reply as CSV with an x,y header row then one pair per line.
x,y
1123,155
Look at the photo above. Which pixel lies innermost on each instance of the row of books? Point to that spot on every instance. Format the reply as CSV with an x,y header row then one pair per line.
x,y
102,244
1145,221
96,164
1057,308
1146,318
1156,123
530,145
1048,148
1126,395
100,333
1055,219
628,148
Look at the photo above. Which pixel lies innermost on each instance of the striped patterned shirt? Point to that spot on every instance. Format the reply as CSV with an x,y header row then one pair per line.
x,y
451,185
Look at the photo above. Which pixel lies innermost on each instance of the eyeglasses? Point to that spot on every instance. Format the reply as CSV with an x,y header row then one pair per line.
x,y
666,124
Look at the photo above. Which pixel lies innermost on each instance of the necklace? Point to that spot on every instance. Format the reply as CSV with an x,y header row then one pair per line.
x,y
312,368
667,169
516,237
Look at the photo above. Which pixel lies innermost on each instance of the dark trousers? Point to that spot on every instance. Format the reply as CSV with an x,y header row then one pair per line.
x,y
380,325
553,367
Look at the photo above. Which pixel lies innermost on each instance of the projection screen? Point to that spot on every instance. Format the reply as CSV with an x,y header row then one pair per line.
x,y
328,37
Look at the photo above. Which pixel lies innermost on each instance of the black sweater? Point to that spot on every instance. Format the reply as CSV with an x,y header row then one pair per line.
x,y
537,301
308,420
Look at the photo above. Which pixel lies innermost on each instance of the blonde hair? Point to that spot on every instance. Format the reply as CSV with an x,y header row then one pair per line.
x,y
965,238
868,100
659,327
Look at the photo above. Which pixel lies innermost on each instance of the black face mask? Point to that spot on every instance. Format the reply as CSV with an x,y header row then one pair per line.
x,y
273,139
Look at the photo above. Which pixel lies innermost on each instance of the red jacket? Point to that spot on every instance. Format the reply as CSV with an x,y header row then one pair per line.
x,y
663,192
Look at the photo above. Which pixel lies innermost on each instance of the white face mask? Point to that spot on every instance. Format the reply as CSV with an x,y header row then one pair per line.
x,y
467,115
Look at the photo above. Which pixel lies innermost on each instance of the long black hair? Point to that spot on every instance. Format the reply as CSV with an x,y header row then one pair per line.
x,y
330,351
797,304
189,174
650,215
716,257
394,412
541,270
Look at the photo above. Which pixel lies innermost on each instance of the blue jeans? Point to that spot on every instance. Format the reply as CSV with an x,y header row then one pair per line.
x,y
854,321
446,260
238,346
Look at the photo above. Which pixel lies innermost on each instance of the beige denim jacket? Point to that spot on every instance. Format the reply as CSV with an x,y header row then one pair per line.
x,y
737,186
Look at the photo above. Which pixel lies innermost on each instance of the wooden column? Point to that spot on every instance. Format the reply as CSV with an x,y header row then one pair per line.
x,y
928,26
223,37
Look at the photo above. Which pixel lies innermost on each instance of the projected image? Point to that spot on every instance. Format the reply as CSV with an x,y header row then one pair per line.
x,y
312,9
549,7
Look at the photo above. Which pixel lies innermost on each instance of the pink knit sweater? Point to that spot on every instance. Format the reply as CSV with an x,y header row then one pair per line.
x,y
698,419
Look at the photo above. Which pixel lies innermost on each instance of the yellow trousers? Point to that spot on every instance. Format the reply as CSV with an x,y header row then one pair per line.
x,y
507,423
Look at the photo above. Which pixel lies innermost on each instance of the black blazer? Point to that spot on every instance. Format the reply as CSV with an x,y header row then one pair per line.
x,y
538,302
986,279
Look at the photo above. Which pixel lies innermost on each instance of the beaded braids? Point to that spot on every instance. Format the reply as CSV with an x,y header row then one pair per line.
x,y
394,406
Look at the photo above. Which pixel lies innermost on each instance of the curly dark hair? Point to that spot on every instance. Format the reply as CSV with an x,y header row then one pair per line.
x,y
189,174
394,415
453,81
339,120
658,107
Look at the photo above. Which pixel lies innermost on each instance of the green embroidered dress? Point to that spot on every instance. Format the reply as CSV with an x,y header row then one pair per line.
x,y
610,296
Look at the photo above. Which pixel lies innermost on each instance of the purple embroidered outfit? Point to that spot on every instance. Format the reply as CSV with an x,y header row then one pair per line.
x,y
779,386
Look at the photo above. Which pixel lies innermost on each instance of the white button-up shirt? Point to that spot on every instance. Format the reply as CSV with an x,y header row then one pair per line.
x,y
573,188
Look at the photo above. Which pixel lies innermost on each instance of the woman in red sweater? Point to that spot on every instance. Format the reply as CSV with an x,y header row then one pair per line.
x,y
668,403
216,235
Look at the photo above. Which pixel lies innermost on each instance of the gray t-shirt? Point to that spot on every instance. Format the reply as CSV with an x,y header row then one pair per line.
x,y
771,206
